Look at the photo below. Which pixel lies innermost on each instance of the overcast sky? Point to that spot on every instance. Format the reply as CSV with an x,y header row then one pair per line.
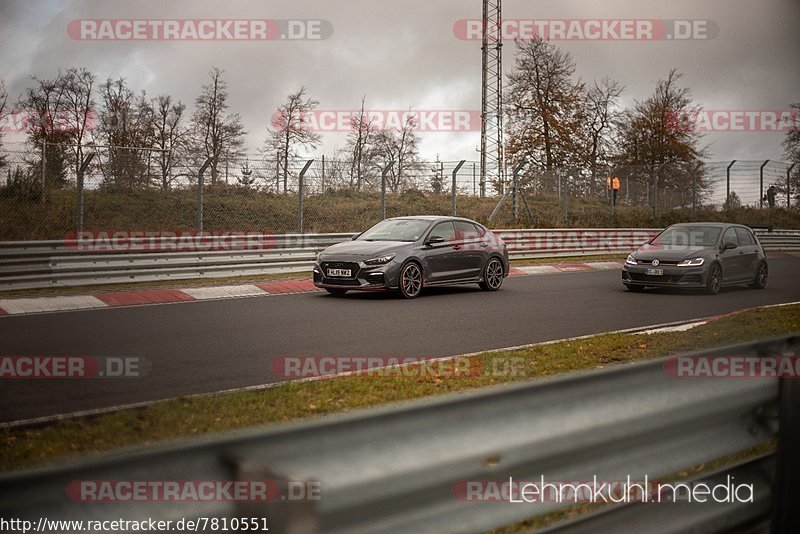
x,y
404,54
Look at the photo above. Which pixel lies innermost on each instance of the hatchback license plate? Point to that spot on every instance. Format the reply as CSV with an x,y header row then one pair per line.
x,y
654,272
339,272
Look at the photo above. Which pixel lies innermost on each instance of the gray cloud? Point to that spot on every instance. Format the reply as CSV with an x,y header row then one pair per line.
x,y
403,54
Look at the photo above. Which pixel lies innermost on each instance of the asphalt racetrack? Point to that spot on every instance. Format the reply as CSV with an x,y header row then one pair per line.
x,y
208,346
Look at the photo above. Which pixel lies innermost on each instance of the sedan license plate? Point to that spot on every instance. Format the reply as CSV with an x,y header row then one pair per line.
x,y
345,273
654,272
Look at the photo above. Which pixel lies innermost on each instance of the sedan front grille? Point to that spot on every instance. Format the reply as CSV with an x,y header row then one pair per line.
x,y
353,267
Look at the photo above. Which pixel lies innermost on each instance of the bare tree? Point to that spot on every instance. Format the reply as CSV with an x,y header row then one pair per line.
x,y
602,118
358,143
58,113
653,137
545,107
397,150
791,148
78,92
218,133
290,131
124,126
169,136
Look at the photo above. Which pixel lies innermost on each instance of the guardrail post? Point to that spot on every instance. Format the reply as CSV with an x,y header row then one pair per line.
x,y
300,196
81,170
788,186
761,189
786,515
453,193
200,194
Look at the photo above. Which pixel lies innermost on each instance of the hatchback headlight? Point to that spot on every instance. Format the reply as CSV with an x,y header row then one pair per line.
x,y
381,260
696,262
630,260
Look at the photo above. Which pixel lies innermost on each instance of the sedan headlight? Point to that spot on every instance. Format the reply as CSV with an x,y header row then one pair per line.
x,y
696,262
630,260
382,260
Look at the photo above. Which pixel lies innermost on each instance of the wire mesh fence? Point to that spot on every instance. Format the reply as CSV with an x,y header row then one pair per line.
x,y
54,191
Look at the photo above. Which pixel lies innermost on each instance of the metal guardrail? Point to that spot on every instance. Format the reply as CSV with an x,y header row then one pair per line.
x,y
396,469
37,264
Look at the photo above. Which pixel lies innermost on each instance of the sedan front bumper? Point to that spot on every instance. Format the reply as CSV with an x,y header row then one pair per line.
x,y
688,277
363,277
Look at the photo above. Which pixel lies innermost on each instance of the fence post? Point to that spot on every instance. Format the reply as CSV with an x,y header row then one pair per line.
x,y
82,169
300,196
200,194
44,165
694,185
322,189
761,190
474,182
277,172
788,186
453,193
383,190
728,181
655,191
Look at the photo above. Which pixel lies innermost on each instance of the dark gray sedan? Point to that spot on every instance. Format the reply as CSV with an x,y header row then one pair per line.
x,y
409,253
700,255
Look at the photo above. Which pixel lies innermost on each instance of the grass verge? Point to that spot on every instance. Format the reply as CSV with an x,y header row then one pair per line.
x,y
183,418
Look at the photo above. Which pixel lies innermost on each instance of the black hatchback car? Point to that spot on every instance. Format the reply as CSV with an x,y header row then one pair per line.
x,y
698,255
408,253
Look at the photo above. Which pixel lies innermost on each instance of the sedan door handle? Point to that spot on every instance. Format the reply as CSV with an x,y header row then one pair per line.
x,y
456,247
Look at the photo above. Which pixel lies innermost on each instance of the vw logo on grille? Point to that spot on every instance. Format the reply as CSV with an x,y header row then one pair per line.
x,y
655,263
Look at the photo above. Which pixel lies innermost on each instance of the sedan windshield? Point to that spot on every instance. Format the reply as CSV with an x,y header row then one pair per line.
x,y
395,230
688,237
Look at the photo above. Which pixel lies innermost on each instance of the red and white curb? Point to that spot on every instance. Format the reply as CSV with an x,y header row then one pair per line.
x,y
21,306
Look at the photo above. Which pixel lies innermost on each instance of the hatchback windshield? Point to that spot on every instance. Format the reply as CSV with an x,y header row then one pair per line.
x,y
688,237
395,230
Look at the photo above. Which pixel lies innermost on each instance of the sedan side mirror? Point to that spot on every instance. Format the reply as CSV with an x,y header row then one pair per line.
x,y
728,246
434,240
355,236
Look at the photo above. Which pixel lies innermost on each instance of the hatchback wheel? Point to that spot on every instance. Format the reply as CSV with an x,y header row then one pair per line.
x,y
411,281
714,280
760,281
492,275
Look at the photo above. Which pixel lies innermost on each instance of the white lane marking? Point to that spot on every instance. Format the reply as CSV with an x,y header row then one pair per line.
x,y
222,292
604,265
538,269
48,304
679,328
